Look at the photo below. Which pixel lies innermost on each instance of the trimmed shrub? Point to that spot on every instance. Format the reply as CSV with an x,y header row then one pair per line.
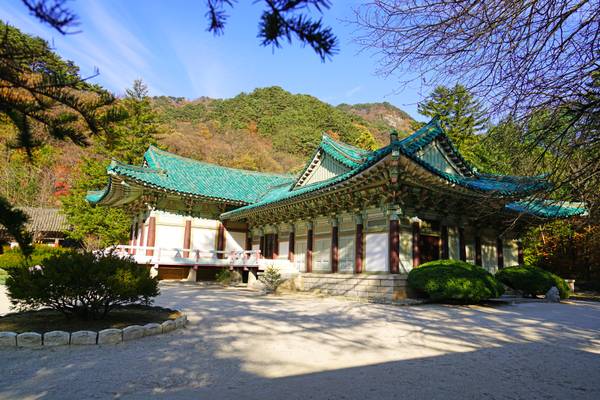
x,y
13,258
84,285
453,281
532,280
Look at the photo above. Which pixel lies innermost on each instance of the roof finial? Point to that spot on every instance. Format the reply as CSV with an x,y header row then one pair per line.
x,y
393,136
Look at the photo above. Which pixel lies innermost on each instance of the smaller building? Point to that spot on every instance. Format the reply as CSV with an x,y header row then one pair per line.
x,y
48,226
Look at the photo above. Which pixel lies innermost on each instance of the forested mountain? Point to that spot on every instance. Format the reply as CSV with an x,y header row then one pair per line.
x,y
268,129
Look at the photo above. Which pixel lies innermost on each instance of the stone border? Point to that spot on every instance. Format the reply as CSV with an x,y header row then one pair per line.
x,y
105,336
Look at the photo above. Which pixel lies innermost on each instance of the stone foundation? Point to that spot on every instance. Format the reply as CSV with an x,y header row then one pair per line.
x,y
386,288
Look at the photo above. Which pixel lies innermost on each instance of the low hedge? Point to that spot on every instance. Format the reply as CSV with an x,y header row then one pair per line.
x,y
453,281
13,258
532,280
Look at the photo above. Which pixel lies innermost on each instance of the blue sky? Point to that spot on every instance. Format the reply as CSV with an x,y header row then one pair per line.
x,y
166,44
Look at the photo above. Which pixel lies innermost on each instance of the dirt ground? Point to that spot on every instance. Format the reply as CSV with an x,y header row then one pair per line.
x,y
240,345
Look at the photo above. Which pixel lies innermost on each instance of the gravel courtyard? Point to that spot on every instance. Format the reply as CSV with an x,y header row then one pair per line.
x,y
239,345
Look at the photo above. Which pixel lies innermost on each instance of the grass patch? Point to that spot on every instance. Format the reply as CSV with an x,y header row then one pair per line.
x,y
47,320
3,276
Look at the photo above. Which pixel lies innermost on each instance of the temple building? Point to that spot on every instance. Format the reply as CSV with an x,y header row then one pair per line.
x,y
350,211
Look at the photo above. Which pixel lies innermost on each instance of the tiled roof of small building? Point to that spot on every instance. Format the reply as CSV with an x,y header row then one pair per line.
x,y
45,219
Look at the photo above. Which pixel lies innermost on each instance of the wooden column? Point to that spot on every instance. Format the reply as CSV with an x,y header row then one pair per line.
x,y
358,246
500,252
135,237
187,238
416,238
261,246
151,235
520,258
248,241
335,256
292,246
309,248
220,239
275,245
478,250
462,245
394,244
444,242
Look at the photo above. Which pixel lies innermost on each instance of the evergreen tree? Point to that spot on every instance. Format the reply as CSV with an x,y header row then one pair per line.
x,y
460,114
126,141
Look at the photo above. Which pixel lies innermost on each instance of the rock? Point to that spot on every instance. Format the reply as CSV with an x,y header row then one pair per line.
x,y
8,339
56,338
83,337
168,326
553,295
152,329
133,332
29,339
110,336
180,322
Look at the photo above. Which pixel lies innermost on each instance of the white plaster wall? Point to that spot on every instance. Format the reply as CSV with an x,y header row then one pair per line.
x,y
511,253
284,249
405,250
322,255
346,254
169,236
489,259
376,252
235,241
203,239
300,255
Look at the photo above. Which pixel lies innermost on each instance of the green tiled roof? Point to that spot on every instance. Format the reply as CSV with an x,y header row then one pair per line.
x,y
177,174
548,208
252,190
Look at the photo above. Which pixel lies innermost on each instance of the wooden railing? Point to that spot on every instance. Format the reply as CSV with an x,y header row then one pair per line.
x,y
190,257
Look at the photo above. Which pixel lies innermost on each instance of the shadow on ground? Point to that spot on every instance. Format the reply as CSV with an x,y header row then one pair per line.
x,y
242,345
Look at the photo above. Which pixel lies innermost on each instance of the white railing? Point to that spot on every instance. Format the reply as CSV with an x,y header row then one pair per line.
x,y
199,257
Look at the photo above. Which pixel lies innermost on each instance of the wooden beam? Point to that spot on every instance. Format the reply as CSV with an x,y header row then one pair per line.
x,y
187,235
334,247
462,244
151,235
309,248
358,247
500,252
416,238
394,245
444,242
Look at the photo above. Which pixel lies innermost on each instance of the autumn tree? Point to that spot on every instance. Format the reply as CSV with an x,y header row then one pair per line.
x,y
521,57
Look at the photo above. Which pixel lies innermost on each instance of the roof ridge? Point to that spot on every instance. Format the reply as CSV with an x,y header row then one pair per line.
x,y
247,171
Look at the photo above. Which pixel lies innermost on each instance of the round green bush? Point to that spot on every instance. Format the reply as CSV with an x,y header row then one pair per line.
x,y
532,280
453,281
84,285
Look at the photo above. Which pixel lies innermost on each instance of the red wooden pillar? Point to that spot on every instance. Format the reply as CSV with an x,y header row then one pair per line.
x,y
478,250
292,246
394,245
334,247
261,245
248,241
151,235
309,248
187,238
358,247
416,238
275,245
520,257
444,242
462,245
135,237
500,252
220,239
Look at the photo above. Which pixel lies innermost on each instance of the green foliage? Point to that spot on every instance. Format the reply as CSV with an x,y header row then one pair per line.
x,y
95,227
271,278
228,277
454,282
3,276
461,115
84,285
14,221
532,280
15,258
